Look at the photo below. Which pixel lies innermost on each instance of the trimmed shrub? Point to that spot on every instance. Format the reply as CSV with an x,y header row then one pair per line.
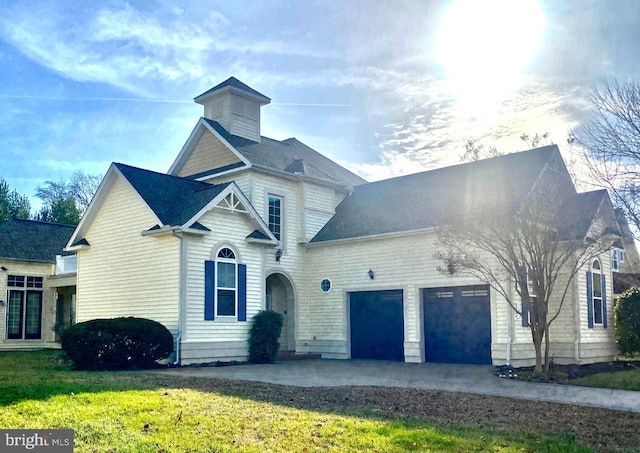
x,y
116,344
263,337
627,314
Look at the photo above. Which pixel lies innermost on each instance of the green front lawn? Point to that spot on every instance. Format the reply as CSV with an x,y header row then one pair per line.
x,y
624,380
137,412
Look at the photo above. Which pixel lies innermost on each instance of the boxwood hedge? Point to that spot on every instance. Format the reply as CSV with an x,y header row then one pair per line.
x,y
116,344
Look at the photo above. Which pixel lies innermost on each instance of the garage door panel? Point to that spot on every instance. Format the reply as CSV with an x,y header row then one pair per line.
x,y
377,325
457,324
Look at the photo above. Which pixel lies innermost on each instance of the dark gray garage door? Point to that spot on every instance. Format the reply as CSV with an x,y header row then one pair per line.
x,y
457,324
377,325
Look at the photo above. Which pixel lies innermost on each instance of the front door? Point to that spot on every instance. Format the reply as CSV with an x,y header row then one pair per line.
x,y
280,299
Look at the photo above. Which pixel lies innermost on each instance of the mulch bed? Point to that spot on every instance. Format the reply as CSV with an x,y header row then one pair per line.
x,y
563,374
599,428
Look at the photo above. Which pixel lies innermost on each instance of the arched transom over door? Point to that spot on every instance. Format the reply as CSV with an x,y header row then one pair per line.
x,y
281,299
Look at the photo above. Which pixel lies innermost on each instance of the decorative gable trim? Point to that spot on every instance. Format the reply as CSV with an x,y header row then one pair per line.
x,y
232,199
192,141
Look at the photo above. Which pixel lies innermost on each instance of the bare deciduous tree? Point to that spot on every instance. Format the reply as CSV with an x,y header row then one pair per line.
x,y
66,201
475,151
611,143
529,253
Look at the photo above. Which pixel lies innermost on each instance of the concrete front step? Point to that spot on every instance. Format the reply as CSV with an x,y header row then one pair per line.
x,y
292,355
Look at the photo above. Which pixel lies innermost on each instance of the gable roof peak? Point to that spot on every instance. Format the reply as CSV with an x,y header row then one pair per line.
x,y
235,85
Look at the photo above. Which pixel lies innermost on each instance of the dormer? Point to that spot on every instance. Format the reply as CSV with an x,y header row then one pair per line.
x,y
235,106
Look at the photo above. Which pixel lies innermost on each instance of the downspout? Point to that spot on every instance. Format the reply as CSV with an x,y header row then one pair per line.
x,y
576,316
181,292
510,330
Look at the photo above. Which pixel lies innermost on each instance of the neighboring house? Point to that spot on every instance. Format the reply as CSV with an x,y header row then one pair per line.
x,y
37,283
243,223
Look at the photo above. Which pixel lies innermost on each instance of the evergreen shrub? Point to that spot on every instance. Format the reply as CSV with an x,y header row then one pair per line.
x,y
263,337
627,314
117,344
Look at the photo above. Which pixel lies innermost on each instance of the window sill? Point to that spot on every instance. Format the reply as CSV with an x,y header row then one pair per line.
x,y
226,319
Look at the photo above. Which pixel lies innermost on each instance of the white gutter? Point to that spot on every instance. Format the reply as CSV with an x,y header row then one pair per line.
x,y
369,237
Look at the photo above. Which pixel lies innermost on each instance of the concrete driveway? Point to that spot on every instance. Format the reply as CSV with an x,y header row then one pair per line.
x,y
478,379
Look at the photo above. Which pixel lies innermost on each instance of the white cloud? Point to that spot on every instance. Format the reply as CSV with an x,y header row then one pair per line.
x,y
130,48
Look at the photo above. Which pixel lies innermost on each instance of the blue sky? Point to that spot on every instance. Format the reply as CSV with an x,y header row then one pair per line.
x,y
383,87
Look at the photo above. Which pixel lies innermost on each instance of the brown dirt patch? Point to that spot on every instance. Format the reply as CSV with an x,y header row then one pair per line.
x,y
602,429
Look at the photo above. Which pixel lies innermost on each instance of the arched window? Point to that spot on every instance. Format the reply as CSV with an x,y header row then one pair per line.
x,y
226,282
596,292
225,286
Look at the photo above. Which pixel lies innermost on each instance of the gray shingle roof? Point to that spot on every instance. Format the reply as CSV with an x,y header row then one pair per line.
x,y
577,213
173,199
288,156
28,240
414,201
234,83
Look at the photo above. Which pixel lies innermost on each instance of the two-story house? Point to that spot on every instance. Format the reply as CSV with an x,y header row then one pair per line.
x,y
243,223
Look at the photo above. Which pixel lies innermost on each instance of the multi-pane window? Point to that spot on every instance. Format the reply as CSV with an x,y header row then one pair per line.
x,y
34,282
24,307
16,281
526,278
225,287
596,288
226,282
617,258
275,215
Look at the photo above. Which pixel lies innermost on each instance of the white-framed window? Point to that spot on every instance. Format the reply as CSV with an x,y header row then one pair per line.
x,y
325,285
24,307
275,215
226,291
533,296
617,258
597,293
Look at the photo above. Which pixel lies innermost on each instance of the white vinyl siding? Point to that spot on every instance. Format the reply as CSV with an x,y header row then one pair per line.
x,y
229,230
347,265
596,343
412,270
123,273
319,204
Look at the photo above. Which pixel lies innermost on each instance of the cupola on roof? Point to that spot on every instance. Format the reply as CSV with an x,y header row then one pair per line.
x,y
235,106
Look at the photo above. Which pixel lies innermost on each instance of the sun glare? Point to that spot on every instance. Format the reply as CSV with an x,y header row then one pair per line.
x,y
485,46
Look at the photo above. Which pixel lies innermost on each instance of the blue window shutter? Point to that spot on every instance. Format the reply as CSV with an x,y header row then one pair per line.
x,y
209,289
523,284
525,316
242,292
604,303
589,300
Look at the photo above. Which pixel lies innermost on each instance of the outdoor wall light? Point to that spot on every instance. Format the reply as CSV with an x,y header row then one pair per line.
x,y
371,274
3,268
278,255
1,303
